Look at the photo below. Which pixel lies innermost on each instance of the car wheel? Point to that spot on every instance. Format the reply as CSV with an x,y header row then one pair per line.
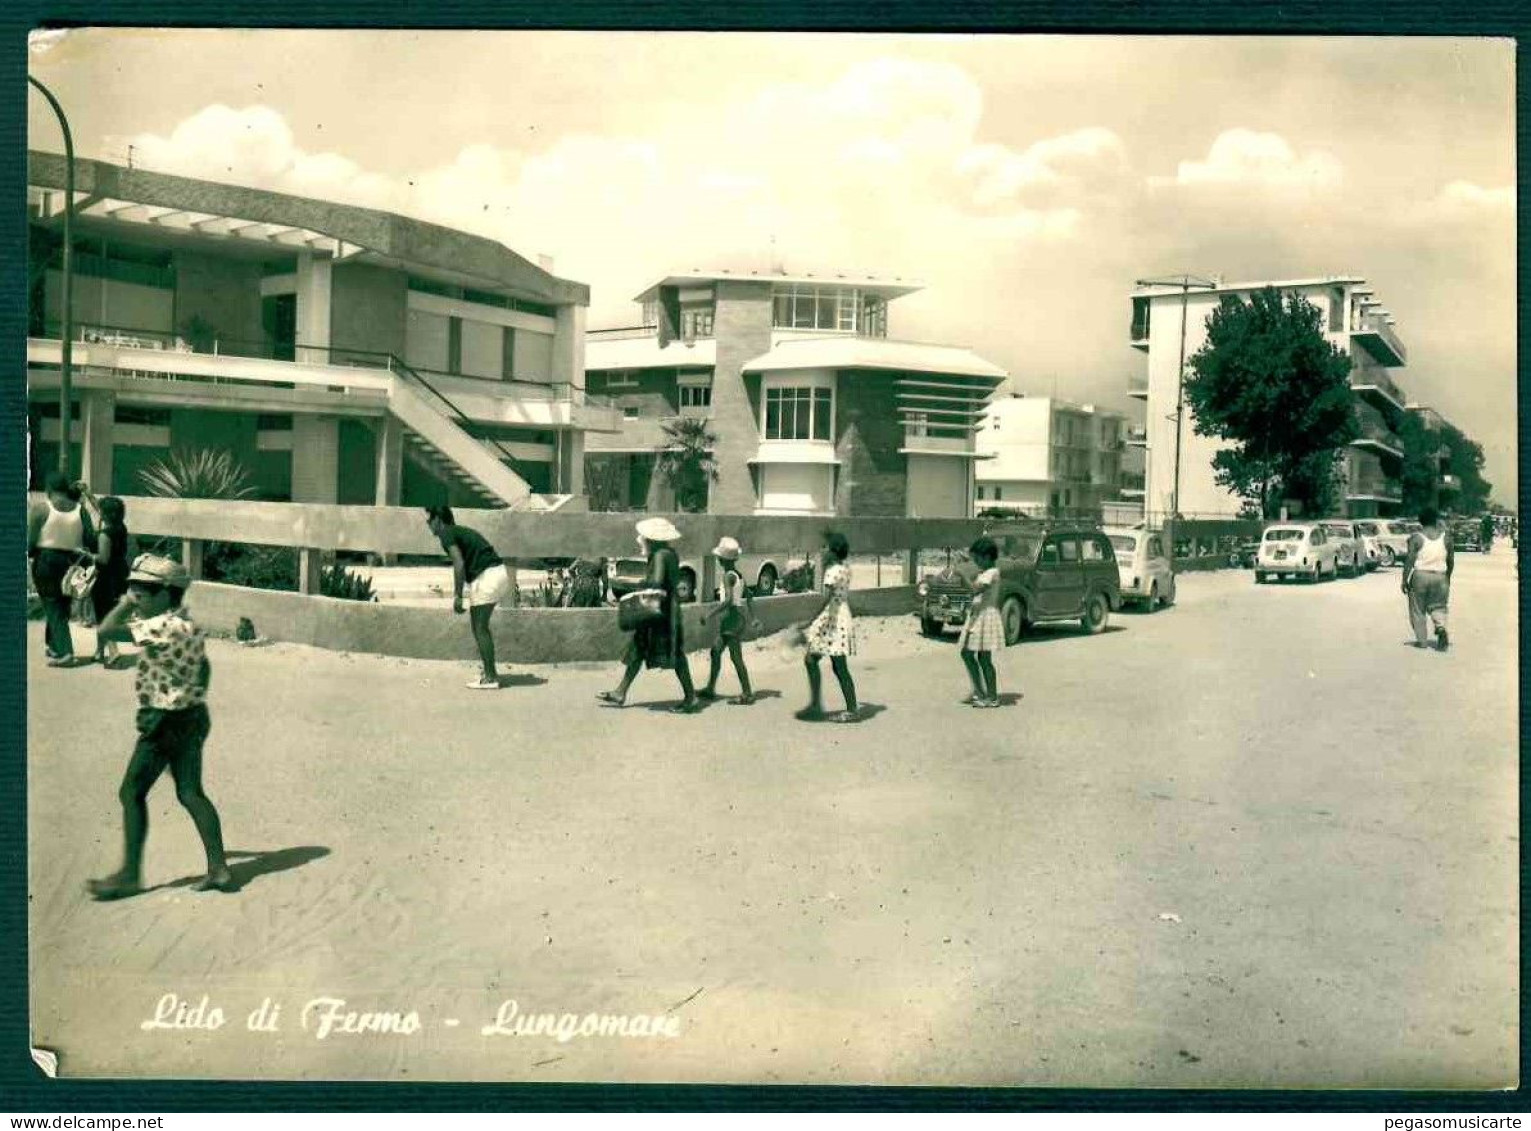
x,y
766,584
1097,613
1153,598
1013,614
1169,595
685,588
932,628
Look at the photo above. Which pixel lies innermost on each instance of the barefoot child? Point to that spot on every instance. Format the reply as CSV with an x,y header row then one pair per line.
x,y
984,631
732,622
831,633
172,719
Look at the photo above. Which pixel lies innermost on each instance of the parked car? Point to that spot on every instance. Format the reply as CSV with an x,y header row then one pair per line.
x,y
1048,570
1245,554
1143,569
1465,537
1388,537
1348,549
762,572
1296,549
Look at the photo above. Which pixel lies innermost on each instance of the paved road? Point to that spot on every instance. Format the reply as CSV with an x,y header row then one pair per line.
x,y
1253,840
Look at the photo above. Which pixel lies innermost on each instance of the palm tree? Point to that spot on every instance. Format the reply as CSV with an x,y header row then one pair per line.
x,y
199,473
687,462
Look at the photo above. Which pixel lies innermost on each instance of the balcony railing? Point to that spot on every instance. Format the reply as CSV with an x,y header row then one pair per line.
x,y
1374,381
1137,437
1367,484
1375,433
265,349
1380,340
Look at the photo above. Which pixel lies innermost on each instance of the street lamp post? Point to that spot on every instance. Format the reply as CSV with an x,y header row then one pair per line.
x,y
1185,283
66,369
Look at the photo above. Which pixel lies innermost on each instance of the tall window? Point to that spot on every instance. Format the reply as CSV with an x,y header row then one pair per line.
x,y
797,414
695,396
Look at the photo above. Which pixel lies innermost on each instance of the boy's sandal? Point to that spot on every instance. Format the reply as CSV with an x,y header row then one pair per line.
x,y
686,708
612,699
743,700
484,685
226,884
845,717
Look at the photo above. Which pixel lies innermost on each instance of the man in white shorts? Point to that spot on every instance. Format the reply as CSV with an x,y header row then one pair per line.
x,y
476,566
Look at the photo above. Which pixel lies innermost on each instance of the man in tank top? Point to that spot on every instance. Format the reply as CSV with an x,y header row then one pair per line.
x,y
1427,579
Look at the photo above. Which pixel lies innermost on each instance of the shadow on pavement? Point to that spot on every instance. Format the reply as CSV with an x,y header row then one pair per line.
x,y
246,866
521,679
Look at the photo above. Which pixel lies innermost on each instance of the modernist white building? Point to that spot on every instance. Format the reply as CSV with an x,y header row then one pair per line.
x,y
1043,455
816,410
1353,320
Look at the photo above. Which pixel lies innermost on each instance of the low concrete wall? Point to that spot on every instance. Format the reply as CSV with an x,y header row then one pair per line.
x,y
526,636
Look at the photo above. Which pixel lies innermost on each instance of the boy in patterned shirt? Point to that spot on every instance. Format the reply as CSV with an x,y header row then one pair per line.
x,y
171,684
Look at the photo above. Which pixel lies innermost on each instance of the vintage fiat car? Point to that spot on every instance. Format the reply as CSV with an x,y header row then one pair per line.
x,y
1297,549
1049,571
1146,575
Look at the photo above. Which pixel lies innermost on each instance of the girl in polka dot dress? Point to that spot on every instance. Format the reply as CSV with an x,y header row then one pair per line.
x,y
832,633
984,632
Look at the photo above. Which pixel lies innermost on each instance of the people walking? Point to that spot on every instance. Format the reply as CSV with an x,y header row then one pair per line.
x,y
111,558
1486,531
1427,579
658,642
59,533
736,614
478,571
173,721
832,633
984,631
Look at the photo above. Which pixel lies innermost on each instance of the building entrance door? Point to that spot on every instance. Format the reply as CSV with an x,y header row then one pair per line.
x,y
279,320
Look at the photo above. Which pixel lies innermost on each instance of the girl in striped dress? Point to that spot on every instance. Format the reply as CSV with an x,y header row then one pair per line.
x,y
984,631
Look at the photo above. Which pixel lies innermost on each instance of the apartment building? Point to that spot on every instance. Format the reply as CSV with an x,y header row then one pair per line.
x,y
1353,320
1043,455
816,410
340,354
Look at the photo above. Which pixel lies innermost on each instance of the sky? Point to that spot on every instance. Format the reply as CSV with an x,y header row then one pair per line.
x,y
1026,181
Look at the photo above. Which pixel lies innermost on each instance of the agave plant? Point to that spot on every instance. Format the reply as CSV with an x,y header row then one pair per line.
x,y
198,473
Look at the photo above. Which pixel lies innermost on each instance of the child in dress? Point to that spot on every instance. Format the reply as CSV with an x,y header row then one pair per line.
x,y
735,613
984,631
832,634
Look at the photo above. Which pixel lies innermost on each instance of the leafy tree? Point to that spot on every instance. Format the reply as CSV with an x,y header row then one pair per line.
x,y
1420,477
1272,386
687,461
1465,460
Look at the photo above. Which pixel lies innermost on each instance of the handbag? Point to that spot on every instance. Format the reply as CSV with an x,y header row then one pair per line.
x,y
640,607
79,579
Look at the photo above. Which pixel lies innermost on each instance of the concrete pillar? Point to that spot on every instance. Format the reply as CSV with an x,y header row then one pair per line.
x,y
571,463
310,569
390,461
313,315
315,458
98,410
912,567
191,556
568,373
707,587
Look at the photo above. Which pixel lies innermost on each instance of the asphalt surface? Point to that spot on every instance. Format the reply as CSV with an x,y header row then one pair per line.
x,y
1253,840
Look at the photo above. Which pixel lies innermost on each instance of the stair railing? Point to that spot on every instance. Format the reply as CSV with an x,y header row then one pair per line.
x,y
397,365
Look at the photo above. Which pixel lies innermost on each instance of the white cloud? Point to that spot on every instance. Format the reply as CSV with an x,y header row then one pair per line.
x,y
881,170
1464,195
1245,158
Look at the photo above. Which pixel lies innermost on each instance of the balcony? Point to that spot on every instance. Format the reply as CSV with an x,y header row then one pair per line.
x,y
1379,340
1374,383
1140,315
1366,484
1137,437
229,374
1375,435
1137,385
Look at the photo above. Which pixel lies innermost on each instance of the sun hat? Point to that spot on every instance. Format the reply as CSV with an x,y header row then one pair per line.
x,y
658,530
155,570
727,548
